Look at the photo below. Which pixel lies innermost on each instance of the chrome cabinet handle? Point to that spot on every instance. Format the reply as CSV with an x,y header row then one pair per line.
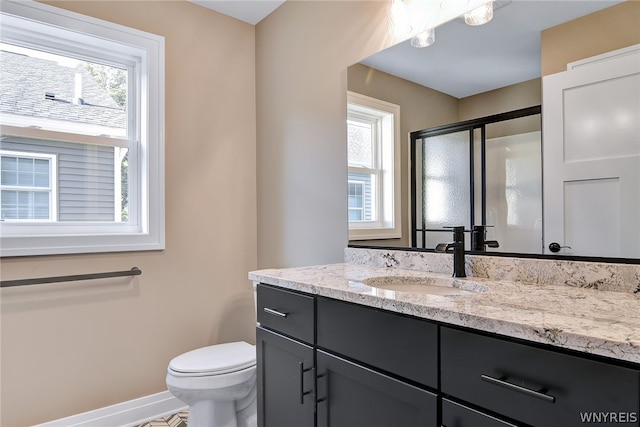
x,y
302,392
533,393
275,312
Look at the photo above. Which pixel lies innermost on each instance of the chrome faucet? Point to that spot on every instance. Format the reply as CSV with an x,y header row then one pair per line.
x,y
457,247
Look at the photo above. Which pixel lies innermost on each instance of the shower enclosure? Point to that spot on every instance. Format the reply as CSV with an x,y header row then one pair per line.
x,y
480,172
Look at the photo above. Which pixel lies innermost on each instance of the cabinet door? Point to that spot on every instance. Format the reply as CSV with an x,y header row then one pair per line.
x,y
455,415
350,395
285,381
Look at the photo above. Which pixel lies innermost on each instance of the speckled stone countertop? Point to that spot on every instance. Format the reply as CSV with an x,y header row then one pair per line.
x,y
598,322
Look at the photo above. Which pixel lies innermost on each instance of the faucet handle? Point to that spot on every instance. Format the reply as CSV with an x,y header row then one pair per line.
x,y
458,232
478,236
482,227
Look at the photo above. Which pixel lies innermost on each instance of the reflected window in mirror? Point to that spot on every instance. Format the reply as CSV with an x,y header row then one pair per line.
x,y
373,143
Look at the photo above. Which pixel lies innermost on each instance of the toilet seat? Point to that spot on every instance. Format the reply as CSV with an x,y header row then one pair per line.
x,y
214,360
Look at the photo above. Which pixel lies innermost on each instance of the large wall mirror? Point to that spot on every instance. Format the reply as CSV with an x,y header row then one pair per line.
x,y
471,73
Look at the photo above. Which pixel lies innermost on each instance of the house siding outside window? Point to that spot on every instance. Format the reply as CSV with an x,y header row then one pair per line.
x,y
86,176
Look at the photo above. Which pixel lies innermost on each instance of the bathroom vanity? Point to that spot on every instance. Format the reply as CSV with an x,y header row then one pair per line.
x,y
334,351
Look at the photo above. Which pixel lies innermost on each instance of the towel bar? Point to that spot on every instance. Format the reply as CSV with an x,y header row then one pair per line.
x,y
135,271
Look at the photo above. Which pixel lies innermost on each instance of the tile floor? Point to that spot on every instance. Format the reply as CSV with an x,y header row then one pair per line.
x,y
174,420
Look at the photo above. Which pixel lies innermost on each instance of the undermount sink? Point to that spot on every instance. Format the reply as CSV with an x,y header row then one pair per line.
x,y
426,285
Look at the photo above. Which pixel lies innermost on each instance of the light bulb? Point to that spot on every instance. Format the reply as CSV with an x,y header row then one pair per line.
x,y
479,15
424,39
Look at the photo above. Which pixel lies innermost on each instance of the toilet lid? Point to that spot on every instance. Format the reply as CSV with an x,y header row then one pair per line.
x,y
216,359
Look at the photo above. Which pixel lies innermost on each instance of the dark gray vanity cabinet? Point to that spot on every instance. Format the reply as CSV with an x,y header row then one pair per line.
x,y
534,385
329,363
371,370
285,358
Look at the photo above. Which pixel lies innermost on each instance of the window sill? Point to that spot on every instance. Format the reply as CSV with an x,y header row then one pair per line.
x,y
57,245
374,233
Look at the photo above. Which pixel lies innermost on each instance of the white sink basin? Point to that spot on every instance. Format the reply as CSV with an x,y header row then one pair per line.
x,y
426,285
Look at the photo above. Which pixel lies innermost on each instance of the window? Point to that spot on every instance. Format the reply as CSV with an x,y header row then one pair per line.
x,y
82,134
356,200
26,189
373,142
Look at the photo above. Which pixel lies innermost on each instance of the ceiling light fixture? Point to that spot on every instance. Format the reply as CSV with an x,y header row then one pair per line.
x,y
417,19
480,15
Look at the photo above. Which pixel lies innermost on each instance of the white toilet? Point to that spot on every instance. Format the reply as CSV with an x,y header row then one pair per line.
x,y
218,383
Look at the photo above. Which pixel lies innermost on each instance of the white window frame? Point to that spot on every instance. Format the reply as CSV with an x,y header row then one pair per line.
x,y
388,223
87,38
52,189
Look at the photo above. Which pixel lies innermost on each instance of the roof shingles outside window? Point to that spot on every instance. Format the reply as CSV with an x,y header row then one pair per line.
x,y
25,81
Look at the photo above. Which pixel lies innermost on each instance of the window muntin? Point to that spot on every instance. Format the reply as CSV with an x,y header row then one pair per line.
x,y
26,184
133,144
374,159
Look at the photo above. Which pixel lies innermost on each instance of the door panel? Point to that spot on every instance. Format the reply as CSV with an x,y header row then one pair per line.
x,y
591,157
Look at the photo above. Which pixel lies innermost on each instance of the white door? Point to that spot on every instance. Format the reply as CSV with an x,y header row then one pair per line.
x,y
591,156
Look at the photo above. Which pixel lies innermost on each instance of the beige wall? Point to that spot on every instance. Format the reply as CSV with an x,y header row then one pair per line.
x,y
302,52
609,29
69,348
509,98
420,108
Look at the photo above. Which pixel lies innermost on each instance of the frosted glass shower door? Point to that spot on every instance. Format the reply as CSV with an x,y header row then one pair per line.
x,y
443,186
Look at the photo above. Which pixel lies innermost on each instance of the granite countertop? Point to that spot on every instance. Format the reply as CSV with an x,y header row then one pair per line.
x,y
597,322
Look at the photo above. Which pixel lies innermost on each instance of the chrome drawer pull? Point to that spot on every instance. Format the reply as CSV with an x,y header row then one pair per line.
x,y
501,382
275,312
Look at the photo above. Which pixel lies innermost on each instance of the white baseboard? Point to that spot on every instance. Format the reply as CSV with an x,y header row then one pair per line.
x,y
125,414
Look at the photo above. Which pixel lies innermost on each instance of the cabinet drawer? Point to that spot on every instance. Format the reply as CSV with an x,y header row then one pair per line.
x,y
537,386
455,415
394,343
287,312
